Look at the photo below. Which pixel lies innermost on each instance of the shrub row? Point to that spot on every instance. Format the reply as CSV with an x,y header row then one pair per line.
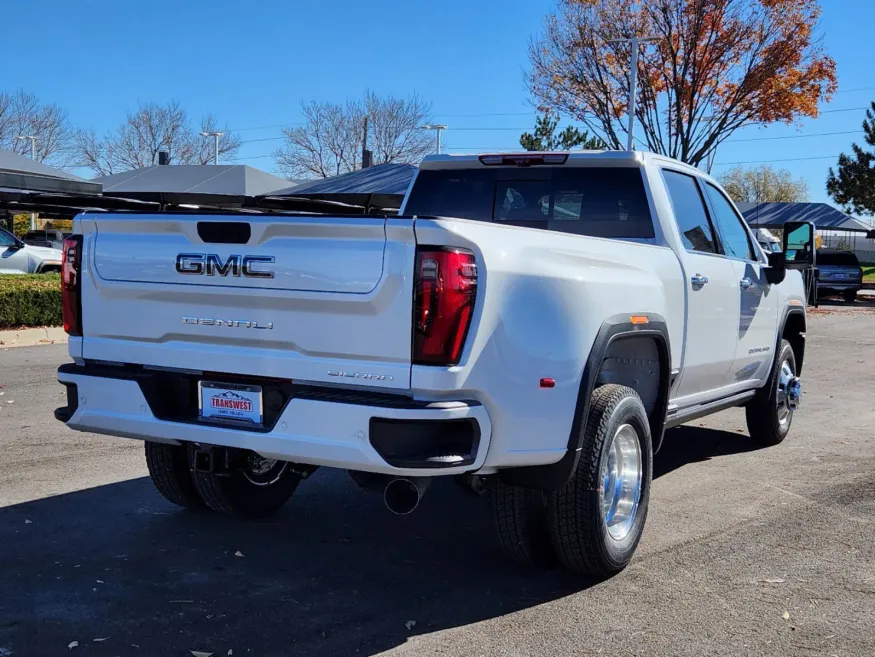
x,y
30,300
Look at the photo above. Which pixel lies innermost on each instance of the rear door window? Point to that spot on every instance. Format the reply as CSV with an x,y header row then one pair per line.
x,y
689,212
595,201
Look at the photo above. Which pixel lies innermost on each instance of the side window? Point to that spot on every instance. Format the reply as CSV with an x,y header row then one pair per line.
x,y
689,211
736,242
6,239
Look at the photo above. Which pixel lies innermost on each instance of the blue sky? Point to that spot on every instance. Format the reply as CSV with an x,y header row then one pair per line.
x,y
252,63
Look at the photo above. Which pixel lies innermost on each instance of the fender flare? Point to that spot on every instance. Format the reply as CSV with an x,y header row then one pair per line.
x,y
788,312
618,327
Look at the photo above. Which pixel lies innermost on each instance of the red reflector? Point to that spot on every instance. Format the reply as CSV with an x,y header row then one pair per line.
x,y
71,285
444,292
548,383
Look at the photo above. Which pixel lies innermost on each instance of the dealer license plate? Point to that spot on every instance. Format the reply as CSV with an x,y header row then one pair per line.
x,y
230,401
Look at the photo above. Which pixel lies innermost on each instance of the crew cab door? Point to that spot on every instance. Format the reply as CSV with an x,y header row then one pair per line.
x,y
758,316
711,290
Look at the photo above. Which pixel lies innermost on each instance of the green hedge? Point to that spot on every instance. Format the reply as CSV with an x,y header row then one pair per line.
x,y
30,300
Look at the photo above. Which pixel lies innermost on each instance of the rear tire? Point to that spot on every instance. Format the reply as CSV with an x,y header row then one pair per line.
x,y
521,524
849,295
171,475
768,417
259,489
597,518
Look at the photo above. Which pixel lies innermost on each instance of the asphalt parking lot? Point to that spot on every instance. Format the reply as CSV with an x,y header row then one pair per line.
x,y
746,552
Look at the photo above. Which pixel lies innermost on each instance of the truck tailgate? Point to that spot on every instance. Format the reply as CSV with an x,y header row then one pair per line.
x,y
312,299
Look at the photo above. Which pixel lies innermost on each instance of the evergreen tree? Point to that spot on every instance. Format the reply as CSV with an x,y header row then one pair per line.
x,y
546,139
853,186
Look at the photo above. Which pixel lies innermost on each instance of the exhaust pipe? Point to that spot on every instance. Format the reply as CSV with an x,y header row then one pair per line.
x,y
402,495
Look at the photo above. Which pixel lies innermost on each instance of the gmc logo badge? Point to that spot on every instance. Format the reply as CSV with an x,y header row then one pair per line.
x,y
211,264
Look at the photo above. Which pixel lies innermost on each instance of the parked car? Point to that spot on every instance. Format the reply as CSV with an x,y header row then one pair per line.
x,y
16,257
839,273
769,242
530,324
51,238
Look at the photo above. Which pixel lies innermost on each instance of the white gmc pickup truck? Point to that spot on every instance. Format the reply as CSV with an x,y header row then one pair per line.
x,y
530,324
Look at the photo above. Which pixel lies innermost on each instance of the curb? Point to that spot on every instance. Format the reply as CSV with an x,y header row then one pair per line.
x,y
32,337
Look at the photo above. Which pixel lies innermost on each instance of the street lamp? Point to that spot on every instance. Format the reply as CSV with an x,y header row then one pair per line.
x,y
32,157
216,136
437,129
635,43
32,144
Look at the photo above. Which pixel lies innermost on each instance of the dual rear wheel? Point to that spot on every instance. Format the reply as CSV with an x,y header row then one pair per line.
x,y
256,487
591,525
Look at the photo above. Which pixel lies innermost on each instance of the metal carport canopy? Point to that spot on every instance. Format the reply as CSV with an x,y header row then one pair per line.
x,y
20,175
823,215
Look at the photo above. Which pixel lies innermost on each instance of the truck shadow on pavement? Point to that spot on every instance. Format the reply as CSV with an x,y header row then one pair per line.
x,y
334,573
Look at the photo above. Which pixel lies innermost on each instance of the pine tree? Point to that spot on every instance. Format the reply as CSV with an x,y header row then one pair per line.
x,y
853,187
546,139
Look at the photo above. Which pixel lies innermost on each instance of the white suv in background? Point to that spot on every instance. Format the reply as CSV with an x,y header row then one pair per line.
x,y
16,257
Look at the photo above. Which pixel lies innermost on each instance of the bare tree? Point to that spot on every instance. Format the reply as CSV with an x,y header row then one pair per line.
x,y
22,113
151,129
330,141
763,184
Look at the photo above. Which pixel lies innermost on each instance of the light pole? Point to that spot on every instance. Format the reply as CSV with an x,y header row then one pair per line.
x,y
32,157
216,136
437,129
635,44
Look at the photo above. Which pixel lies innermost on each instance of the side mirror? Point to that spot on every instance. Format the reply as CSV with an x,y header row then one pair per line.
x,y
777,269
799,245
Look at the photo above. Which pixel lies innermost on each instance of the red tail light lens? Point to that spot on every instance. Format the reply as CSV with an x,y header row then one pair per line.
x,y
444,291
71,285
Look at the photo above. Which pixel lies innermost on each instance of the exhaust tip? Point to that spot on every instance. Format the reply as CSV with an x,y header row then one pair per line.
x,y
402,496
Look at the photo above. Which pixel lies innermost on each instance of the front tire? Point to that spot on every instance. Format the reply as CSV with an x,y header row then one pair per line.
x,y
260,487
770,413
597,518
171,475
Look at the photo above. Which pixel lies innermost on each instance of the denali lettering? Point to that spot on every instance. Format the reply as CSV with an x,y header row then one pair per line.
x,y
362,375
234,323
212,264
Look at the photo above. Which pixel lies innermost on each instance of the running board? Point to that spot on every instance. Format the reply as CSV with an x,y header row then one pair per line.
x,y
677,417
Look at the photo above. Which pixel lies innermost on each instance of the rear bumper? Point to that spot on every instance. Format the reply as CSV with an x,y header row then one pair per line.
x,y
837,286
337,429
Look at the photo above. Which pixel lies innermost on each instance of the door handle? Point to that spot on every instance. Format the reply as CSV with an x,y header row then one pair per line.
x,y
746,284
699,280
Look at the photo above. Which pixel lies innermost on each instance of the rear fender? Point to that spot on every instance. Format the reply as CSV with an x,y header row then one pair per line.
x,y
617,328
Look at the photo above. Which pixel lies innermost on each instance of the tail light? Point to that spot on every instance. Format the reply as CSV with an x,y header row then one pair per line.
x,y
71,285
444,291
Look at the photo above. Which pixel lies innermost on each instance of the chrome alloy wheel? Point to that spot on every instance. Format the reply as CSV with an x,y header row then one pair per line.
x,y
263,472
789,393
621,474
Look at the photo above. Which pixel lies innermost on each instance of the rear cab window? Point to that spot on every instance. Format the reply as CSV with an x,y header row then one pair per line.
x,y
595,201
837,259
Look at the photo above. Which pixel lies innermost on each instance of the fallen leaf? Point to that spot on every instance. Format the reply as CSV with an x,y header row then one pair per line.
x,y
72,644
230,651
772,580
28,522
786,615
100,581
10,401
101,639
410,624
134,645
238,553
198,653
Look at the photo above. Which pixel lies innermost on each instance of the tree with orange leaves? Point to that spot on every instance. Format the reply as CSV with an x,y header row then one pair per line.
x,y
716,65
